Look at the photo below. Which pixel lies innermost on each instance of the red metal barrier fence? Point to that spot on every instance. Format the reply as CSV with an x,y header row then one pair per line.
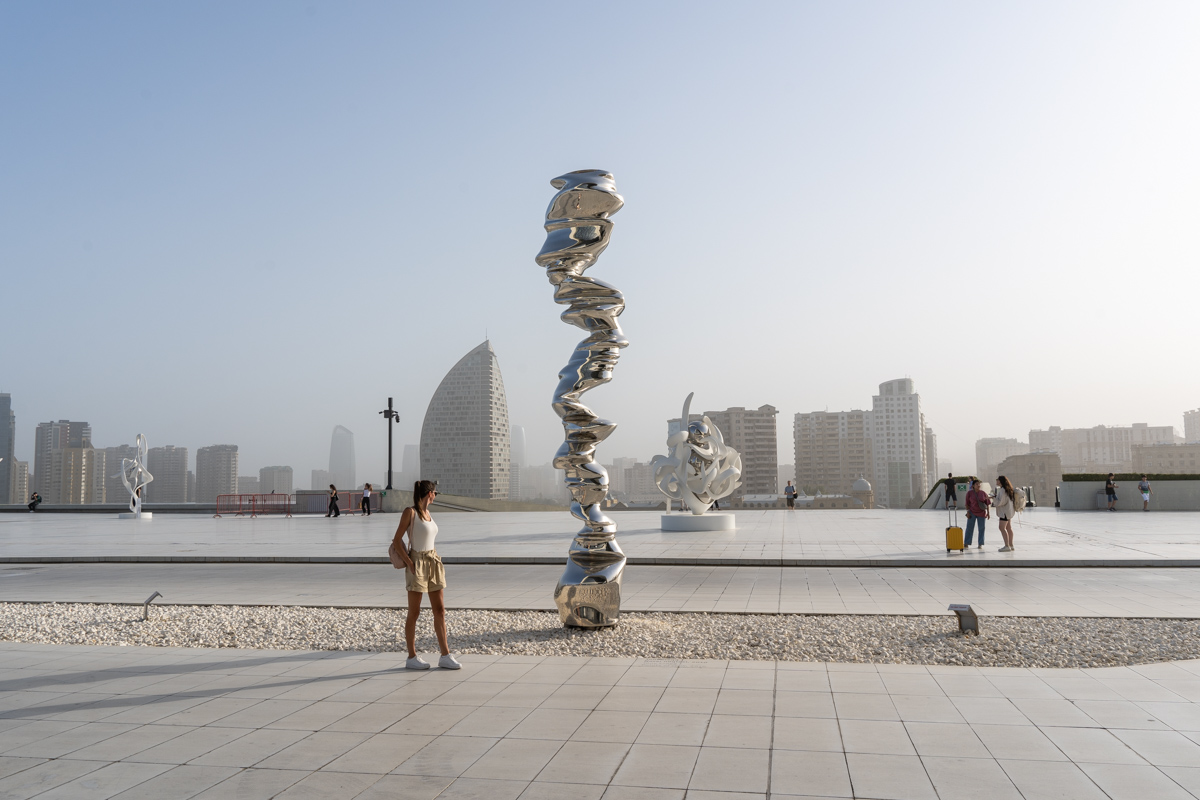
x,y
253,504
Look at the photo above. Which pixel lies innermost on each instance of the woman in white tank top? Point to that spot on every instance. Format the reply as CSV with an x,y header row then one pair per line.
x,y
423,573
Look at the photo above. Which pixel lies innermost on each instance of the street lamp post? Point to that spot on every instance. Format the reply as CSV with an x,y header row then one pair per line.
x,y
391,415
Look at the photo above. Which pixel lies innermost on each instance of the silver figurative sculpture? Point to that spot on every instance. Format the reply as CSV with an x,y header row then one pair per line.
x,y
699,467
135,476
577,231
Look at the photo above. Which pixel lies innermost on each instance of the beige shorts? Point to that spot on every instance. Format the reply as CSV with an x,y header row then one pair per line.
x,y
430,575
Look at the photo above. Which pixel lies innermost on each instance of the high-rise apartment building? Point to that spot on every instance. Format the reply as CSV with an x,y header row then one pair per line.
x,y
169,466
248,484
1191,426
833,449
51,436
465,435
1042,472
991,451
191,484
931,476
516,437
216,472
20,482
898,445
76,476
275,480
1102,448
8,439
114,487
616,476
342,461
752,433
321,478
1167,459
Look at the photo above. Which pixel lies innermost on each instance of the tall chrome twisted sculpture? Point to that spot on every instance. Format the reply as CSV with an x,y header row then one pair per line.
x,y
699,467
577,232
135,476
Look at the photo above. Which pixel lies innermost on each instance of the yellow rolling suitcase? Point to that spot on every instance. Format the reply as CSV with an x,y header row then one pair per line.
x,y
954,534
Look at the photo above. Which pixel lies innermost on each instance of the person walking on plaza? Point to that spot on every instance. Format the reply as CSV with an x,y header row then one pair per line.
x,y
35,499
789,493
952,493
977,513
1006,509
1110,489
1144,488
333,511
423,573
366,500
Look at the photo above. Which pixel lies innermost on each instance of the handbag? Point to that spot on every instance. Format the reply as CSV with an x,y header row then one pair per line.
x,y
394,557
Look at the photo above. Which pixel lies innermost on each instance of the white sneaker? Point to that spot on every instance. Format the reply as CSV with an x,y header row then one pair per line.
x,y
448,662
416,662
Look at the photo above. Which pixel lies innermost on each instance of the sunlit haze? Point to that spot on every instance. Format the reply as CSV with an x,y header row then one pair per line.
x,y
247,223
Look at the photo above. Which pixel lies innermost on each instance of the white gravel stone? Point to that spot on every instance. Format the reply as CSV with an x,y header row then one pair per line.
x,y
1005,641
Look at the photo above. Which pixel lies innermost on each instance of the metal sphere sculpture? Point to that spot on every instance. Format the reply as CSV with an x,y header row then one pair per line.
x,y
577,232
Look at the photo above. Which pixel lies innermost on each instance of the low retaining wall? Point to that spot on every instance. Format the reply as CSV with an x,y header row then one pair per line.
x,y
1168,495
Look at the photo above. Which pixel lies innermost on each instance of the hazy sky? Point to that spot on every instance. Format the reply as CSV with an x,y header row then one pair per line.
x,y
248,222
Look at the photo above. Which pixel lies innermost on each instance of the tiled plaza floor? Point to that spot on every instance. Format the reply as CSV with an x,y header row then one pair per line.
x,y
1106,592
1045,537
168,724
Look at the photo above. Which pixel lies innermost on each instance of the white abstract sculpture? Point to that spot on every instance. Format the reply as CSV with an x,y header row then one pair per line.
x,y
698,470
135,476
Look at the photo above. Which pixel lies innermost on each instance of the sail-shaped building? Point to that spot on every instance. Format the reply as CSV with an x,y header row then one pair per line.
x,y
465,435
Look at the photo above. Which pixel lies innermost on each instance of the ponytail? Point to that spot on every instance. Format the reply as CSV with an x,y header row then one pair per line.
x,y
421,490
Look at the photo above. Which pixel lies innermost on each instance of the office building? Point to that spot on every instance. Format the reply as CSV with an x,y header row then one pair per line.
x,y
169,466
1102,448
991,451
114,487
248,484
944,467
752,432
342,461
216,472
1041,472
8,443
275,480
1191,426
1166,459
833,449
465,435
51,436
516,437
898,445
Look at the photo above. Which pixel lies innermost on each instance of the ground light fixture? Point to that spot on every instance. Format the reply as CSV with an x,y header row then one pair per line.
x,y
146,606
968,622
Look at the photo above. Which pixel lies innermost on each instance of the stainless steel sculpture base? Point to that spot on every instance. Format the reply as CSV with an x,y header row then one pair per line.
x,y
577,231
588,594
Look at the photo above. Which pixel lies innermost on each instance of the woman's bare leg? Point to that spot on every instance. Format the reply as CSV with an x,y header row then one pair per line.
x,y
1006,532
439,620
410,623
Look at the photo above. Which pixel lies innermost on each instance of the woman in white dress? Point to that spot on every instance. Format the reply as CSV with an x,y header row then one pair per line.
x,y
423,573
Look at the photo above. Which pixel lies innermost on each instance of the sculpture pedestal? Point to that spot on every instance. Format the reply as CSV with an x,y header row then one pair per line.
x,y
698,522
131,515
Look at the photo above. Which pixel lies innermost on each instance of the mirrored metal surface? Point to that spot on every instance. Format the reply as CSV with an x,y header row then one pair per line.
x,y
699,467
577,232
135,476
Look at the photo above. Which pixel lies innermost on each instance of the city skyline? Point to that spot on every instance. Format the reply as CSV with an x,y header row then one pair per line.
x,y
930,191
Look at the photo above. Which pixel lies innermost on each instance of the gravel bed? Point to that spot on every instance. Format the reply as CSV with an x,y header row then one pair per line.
x,y
1005,641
